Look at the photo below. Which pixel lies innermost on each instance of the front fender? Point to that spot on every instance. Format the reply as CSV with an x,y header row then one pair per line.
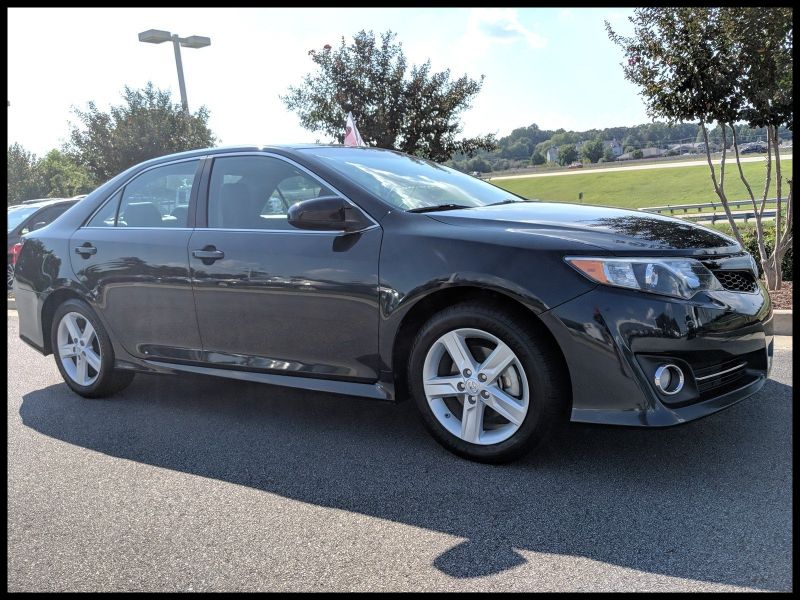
x,y
421,257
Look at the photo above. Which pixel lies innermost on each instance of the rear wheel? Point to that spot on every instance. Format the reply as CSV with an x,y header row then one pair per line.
x,y
486,388
83,352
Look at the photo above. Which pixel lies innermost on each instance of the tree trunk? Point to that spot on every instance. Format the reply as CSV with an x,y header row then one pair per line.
x,y
770,274
720,188
777,253
762,249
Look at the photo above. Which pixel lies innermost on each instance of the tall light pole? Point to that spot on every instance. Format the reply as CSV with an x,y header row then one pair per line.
x,y
157,36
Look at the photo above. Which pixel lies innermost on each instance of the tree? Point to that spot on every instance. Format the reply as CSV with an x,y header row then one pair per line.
x,y
538,158
61,177
632,141
22,183
592,150
567,154
723,65
146,125
413,110
608,154
518,150
478,164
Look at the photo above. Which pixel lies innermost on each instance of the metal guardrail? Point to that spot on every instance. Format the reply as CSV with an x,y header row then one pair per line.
x,y
718,213
714,217
672,208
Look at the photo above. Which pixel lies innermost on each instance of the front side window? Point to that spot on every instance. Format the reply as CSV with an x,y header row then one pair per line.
x,y
156,198
255,192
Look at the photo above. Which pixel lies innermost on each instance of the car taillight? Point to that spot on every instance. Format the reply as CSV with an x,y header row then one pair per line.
x,y
15,251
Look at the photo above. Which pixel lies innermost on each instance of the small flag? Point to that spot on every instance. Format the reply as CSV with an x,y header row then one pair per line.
x,y
351,135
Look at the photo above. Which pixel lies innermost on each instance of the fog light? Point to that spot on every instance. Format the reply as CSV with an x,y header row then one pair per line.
x,y
669,379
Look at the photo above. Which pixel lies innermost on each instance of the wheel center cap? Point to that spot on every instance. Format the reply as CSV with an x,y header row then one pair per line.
x,y
473,387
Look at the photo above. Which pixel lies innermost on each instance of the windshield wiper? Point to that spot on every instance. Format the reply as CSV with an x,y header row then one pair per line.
x,y
438,207
510,201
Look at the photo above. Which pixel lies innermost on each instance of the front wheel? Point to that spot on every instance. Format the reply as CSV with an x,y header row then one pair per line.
x,y
487,389
83,352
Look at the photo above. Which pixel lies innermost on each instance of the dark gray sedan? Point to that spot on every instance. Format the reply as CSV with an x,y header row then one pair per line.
x,y
373,273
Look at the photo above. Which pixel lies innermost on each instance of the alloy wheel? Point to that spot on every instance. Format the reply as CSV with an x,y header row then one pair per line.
x,y
79,349
476,386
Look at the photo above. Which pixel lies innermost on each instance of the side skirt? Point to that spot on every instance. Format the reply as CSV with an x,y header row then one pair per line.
x,y
376,391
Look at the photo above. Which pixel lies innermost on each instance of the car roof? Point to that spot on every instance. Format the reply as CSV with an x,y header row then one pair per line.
x,y
250,148
40,202
286,149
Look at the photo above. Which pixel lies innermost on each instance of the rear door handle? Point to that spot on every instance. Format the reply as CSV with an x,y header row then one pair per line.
x,y
208,253
85,250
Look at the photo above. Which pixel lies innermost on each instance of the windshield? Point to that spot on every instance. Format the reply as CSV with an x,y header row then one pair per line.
x,y
408,182
18,215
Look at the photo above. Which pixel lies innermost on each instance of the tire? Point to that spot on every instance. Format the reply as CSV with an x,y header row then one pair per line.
x,y
92,382
533,380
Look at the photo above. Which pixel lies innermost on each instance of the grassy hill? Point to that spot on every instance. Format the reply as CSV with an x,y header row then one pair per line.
x,y
650,187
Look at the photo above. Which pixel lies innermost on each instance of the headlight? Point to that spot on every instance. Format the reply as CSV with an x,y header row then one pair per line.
x,y
679,277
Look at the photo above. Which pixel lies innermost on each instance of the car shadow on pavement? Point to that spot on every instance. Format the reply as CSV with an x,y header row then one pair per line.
x,y
709,501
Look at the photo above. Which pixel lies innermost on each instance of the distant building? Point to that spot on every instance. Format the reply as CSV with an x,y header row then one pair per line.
x,y
551,154
693,148
646,153
615,145
683,148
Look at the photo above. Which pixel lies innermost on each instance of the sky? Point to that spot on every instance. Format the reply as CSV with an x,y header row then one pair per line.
x,y
554,67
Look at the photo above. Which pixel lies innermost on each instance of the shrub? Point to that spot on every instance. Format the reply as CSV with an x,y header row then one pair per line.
x,y
751,245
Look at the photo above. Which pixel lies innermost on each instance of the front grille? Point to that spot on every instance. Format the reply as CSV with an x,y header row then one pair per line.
x,y
737,281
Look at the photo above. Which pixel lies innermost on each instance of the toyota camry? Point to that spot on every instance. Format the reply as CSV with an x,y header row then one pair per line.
x,y
372,273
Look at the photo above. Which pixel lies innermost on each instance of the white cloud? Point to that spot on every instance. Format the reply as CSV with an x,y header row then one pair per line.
x,y
501,25
565,14
487,28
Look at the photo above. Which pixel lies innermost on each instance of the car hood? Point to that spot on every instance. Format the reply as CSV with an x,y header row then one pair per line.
x,y
615,230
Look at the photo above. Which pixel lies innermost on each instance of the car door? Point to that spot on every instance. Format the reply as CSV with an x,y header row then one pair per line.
x,y
273,297
132,257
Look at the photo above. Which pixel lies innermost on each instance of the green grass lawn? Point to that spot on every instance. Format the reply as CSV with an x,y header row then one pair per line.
x,y
651,187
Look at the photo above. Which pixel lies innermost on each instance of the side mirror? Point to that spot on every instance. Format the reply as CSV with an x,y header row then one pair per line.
x,y
326,213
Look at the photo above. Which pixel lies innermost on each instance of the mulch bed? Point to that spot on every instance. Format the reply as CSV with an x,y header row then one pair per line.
x,y
782,298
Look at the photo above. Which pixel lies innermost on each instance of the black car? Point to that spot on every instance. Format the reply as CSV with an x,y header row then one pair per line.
x,y
373,273
29,216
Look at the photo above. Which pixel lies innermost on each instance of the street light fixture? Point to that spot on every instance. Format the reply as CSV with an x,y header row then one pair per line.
x,y
158,36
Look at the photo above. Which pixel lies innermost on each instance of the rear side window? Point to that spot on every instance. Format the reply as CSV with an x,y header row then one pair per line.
x,y
156,198
106,216
255,192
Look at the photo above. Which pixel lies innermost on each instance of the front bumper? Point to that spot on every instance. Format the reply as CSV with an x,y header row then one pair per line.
x,y
613,341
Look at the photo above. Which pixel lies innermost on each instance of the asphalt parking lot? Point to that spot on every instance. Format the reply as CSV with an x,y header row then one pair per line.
x,y
193,483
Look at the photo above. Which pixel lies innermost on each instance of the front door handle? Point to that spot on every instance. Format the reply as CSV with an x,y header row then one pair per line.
x,y
209,253
86,250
